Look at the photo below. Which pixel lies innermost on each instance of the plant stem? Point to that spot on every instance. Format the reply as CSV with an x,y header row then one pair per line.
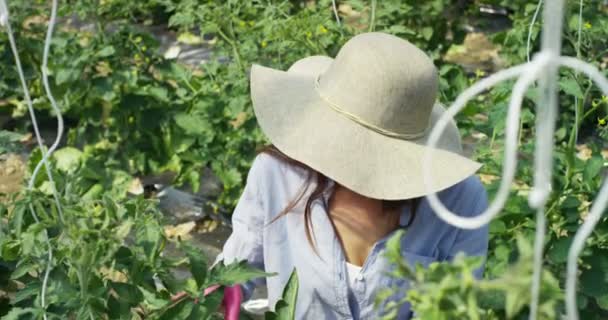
x,y
372,19
235,51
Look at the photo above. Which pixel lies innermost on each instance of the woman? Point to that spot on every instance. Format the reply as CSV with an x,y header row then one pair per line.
x,y
344,172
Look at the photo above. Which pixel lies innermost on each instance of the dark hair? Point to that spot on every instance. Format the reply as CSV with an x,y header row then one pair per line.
x,y
322,182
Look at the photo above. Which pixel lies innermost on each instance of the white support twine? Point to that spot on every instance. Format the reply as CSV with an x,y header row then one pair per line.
x,y
543,67
3,14
4,21
599,204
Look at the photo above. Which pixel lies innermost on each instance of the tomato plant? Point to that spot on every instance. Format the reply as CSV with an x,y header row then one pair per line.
x,y
132,112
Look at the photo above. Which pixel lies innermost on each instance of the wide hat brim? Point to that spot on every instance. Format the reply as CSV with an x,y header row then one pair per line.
x,y
304,127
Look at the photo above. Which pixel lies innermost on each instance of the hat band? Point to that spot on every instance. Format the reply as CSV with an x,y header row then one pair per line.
x,y
357,119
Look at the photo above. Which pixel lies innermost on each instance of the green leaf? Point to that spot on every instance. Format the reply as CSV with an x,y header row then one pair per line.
x,y
181,310
570,202
602,301
193,125
286,310
16,313
159,93
106,52
10,250
393,247
23,267
31,290
234,273
497,226
128,293
149,236
559,252
593,282
124,229
427,33
198,266
66,75
209,304
593,168
571,87
67,159
150,299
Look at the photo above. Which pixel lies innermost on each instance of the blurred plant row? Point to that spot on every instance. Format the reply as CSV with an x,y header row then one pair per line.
x,y
132,112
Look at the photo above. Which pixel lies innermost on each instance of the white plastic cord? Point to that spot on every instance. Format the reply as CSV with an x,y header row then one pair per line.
x,y
546,117
539,237
335,9
539,244
510,154
49,94
45,157
534,18
599,205
545,67
4,20
3,14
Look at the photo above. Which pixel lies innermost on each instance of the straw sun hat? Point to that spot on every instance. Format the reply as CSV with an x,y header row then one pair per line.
x,y
363,118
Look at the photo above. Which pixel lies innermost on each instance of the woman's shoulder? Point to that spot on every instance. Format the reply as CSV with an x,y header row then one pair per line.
x,y
468,197
275,179
471,184
266,167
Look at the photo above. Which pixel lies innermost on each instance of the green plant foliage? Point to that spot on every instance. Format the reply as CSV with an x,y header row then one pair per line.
x,y
450,291
143,114
285,308
130,112
107,259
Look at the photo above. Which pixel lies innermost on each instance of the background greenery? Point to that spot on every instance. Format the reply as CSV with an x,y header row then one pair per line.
x,y
131,112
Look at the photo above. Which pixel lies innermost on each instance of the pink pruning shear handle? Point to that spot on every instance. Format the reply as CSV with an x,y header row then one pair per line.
x,y
233,296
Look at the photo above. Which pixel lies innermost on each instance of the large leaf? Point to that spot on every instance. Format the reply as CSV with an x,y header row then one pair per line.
x,y
593,168
198,266
106,51
234,273
571,87
180,310
17,313
192,124
67,159
285,309
128,293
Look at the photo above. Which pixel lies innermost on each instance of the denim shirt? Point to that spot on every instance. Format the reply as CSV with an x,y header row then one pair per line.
x,y
324,292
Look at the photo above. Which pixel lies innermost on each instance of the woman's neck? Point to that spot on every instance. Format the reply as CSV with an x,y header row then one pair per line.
x,y
359,222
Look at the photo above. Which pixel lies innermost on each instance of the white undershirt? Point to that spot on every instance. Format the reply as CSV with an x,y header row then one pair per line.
x,y
352,272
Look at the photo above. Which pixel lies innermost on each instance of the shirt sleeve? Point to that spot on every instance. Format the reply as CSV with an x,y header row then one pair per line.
x,y
246,240
473,242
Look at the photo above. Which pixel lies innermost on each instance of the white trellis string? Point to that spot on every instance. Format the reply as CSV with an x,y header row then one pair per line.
x,y
335,9
599,205
539,237
3,14
510,153
4,17
45,157
546,116
545,64
4,21
49,94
